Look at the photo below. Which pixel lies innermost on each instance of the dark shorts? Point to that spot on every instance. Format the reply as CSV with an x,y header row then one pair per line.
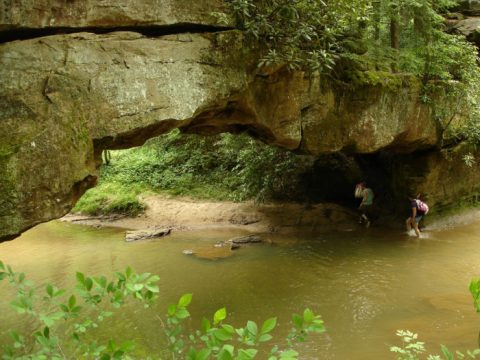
x,y
366,209
418,218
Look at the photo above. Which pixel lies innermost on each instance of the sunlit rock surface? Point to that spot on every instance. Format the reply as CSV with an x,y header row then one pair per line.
x,y
44,14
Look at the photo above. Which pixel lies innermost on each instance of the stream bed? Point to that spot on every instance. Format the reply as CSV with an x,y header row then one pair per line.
x,y
365,284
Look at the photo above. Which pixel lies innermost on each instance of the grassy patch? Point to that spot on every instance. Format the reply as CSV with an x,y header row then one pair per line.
x,y
111,198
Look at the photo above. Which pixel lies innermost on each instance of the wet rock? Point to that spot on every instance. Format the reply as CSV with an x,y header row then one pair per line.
x,y
229,244
146,234
211,253
245,240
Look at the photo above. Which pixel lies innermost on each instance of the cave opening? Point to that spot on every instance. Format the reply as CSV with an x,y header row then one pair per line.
x,y
181,162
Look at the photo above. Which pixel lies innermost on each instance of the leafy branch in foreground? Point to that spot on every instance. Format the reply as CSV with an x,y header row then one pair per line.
x,y
83,311
411,348
223,341
475,291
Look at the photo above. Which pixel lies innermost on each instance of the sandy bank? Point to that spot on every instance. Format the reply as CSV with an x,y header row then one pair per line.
x,y
188,214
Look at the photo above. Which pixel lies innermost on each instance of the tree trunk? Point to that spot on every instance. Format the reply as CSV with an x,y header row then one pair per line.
x,y
377,16
395,33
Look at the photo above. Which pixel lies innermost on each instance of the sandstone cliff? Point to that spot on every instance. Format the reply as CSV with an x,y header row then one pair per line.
x,y
66,97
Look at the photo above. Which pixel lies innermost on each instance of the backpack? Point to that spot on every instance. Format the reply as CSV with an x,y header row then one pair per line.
x,y
423,207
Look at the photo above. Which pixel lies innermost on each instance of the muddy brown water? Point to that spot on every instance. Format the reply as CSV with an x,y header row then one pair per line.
x,y
366,284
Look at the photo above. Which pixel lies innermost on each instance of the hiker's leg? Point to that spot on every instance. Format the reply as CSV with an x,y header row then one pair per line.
x,y
415,227
408,224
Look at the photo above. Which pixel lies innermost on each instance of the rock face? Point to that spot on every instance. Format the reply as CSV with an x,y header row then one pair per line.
x,y
468,27
64,98
442,177
106,13
470,7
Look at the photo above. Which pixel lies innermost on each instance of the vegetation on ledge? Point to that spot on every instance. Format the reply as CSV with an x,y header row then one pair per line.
x,y
222,167
369,43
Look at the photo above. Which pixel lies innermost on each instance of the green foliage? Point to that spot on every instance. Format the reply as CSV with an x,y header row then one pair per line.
x,y
220,340
301,34
112,197
475,291
364,42
223,167
83,312
411,349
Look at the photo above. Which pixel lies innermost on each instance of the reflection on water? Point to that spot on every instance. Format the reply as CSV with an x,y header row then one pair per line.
x,y
366,284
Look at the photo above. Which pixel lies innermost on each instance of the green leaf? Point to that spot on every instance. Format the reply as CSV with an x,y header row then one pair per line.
x,y
49,290
127,346
120,276
206,325
265,338
297,320
152,288
225,354
76,309
252,328
172,308
182,313
246,354
80,278
59,292
203,354
72,301
185,300
219,315
15,336
50,319
229,328
222,334
268,325
153,279
288,354
446,352
19,306
308,315
88,283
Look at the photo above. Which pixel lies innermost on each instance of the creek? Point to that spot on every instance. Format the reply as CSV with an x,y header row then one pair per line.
x,y
366,284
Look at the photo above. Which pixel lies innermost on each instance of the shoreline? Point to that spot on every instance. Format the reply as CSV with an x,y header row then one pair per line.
x,y
185,214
